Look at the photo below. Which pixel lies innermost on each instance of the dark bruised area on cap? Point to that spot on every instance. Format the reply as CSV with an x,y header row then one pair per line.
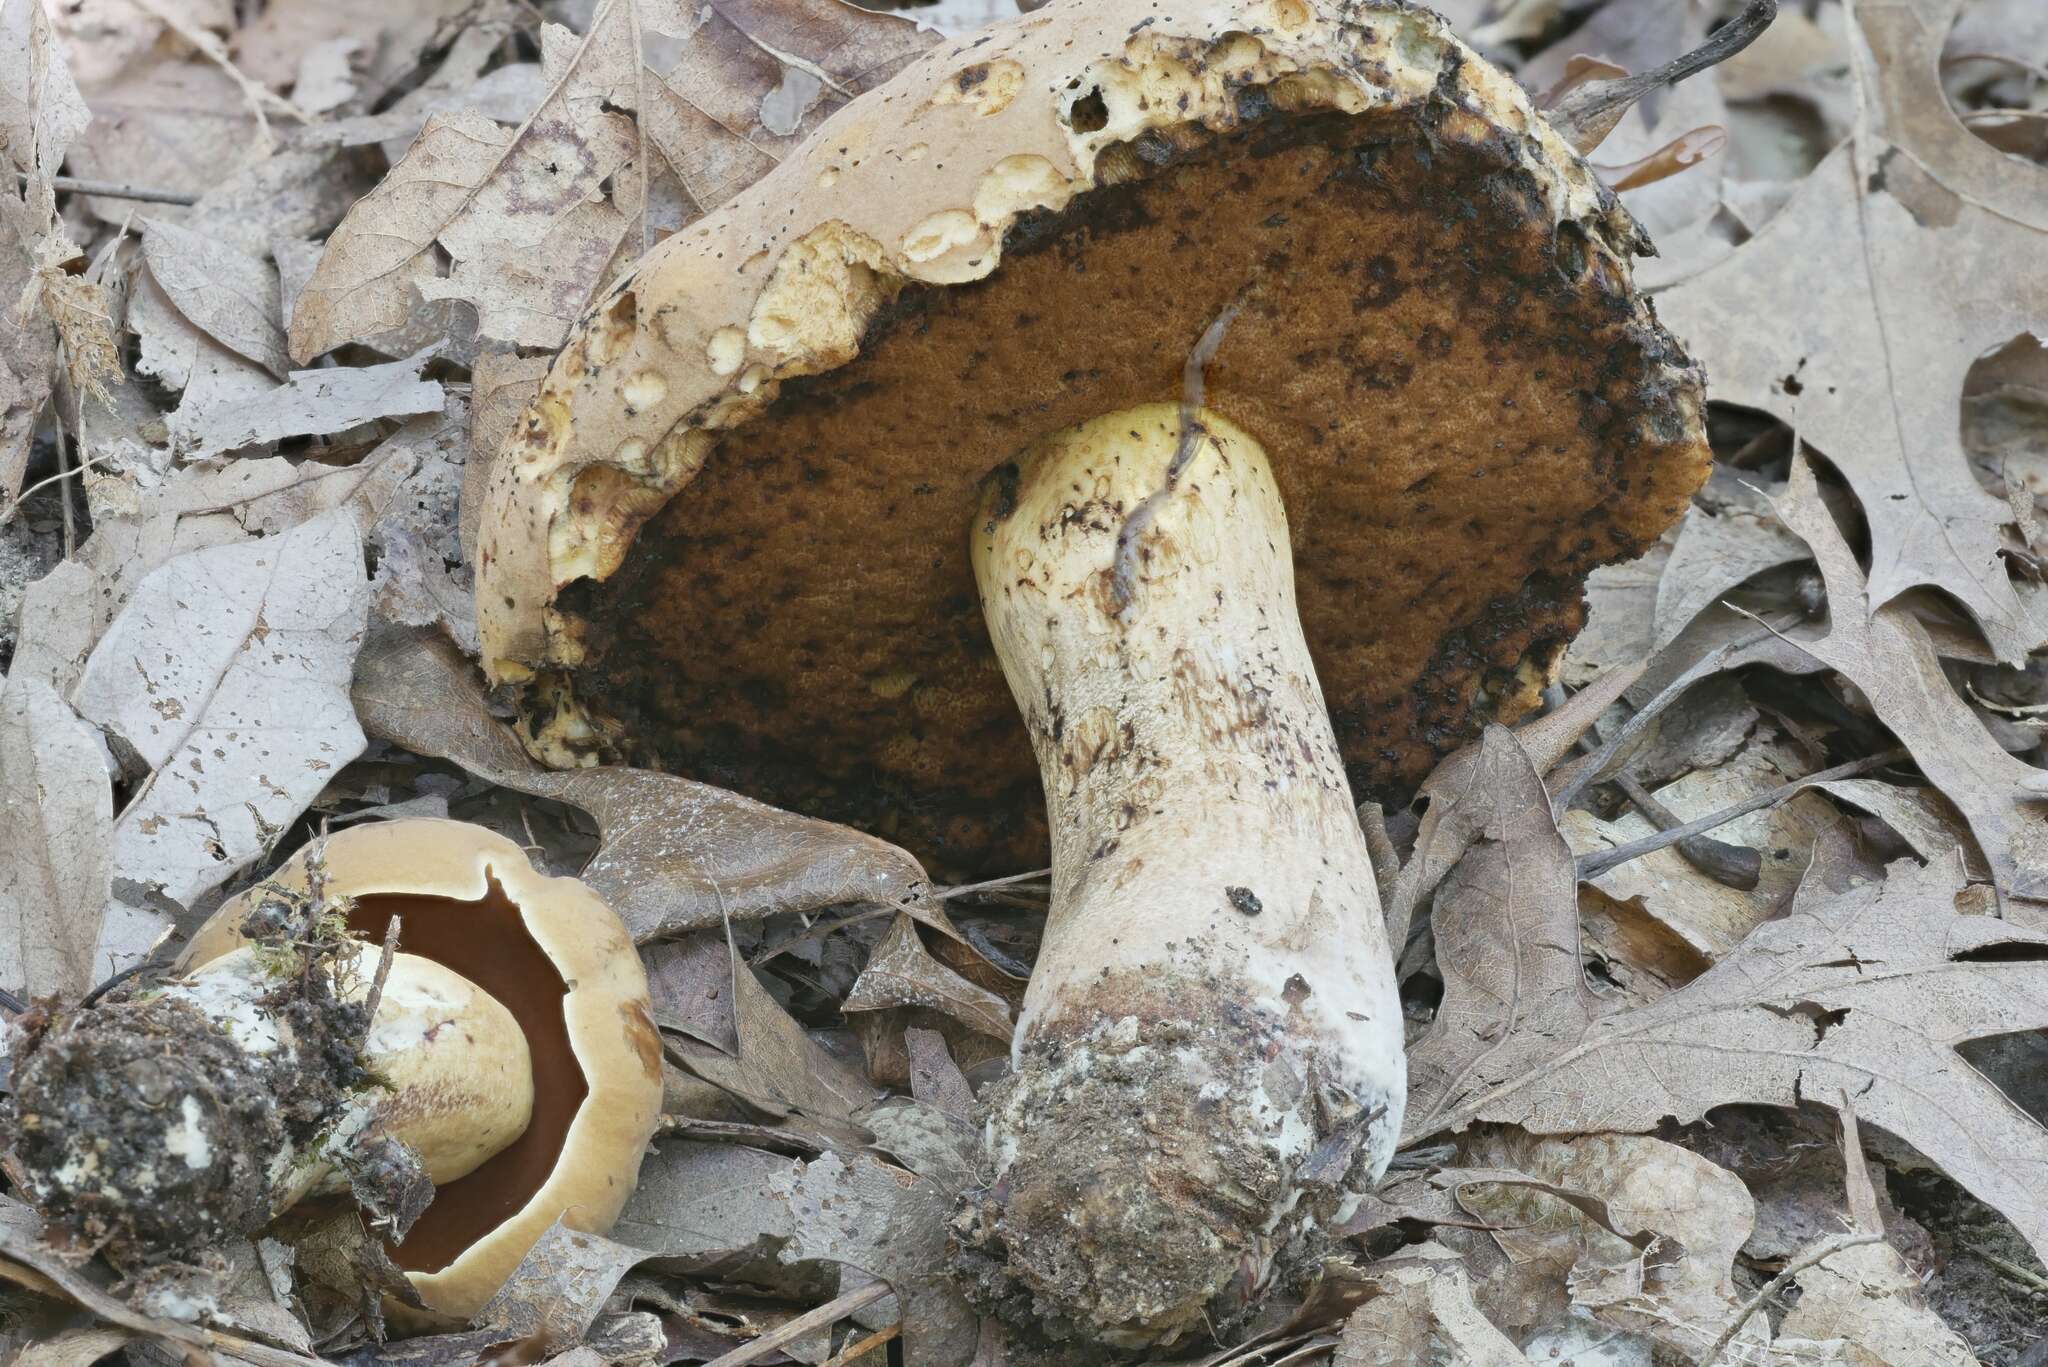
x,y
1466,409
487,942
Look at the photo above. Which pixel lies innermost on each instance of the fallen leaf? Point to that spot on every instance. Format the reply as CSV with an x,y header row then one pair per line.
x,y
56,821
1708,916
1867,991
501,385
757,77
935,1078
858,1210
928,1141
677,856
168,123
313,402
698,1201
1647,1245
1507,902
227,677
902,972
530,221
560,1286
1886,652
229,295
1422,1308
1728,537
1911,250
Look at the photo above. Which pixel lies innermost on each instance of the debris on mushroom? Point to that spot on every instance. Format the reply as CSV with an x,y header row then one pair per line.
x,y
882,493
499,1071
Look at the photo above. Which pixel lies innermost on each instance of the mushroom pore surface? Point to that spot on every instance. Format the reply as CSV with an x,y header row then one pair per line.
x,y
487,942
1208,1063
1464,405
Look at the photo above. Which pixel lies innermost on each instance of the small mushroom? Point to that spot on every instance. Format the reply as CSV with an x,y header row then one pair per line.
x,y
510,1053
920,486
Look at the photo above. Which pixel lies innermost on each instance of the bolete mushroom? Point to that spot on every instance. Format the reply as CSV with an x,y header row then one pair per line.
x,y
510,1050
888,491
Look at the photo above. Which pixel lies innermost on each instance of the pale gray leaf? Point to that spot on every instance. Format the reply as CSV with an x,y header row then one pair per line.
x,y
56,821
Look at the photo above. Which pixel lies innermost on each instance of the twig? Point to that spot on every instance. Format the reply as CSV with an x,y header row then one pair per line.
x,y
67,472
1815,1256
1735,866
112,190
1588,113
852,1351
831,1312
2032,1280
1594,864
376,994
1007,880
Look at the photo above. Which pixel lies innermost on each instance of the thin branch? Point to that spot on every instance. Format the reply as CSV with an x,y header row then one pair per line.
x,y
854,1351
113,190
1813,1257
1588,113
376,994
831,1312
1592,865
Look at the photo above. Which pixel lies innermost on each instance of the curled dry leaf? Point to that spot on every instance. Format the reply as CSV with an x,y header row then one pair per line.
x,y
559,1287
56,824
1912,250
756,77
1886,652
1729,536
1423,1306
231,296
1506,905
902,972
227,677
311,403
676,855
1640,1233
1868,991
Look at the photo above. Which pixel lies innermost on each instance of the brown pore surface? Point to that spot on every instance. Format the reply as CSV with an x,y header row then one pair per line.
x,y
1454,395
486,941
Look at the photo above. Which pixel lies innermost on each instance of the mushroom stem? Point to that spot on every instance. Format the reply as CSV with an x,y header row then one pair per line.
x,y
1208,1068
164,1120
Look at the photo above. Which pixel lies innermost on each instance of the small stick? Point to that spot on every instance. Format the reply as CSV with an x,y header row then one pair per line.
x,y
114,190
1813,1257
1594,864
376,995
1589,112
867,1345
831,1312
2032,1281
1735,866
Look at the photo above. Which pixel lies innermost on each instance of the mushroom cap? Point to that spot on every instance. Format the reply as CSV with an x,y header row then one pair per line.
x,y
1466,404
464,892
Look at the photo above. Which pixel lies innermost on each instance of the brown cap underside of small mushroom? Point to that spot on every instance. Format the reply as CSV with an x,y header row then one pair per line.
x,y
1466,406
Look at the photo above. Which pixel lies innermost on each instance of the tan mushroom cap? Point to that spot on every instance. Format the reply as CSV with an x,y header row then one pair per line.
x,y
560,960
1466,405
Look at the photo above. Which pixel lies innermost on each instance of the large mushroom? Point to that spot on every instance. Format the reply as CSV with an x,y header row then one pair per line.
x,y
905,489
507,1047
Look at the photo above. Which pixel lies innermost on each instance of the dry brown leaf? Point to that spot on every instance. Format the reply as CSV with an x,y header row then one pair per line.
x,y
1508,903
857,1210
1709,917
229,295
560,1286
530,221
1912,249
902,972
698,1201
56,825
935,1078
755,78
1729,536
1423,1308
1868,991
169,123
1646,1244
677,855
778,1058
1886,652
311,403
227,677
